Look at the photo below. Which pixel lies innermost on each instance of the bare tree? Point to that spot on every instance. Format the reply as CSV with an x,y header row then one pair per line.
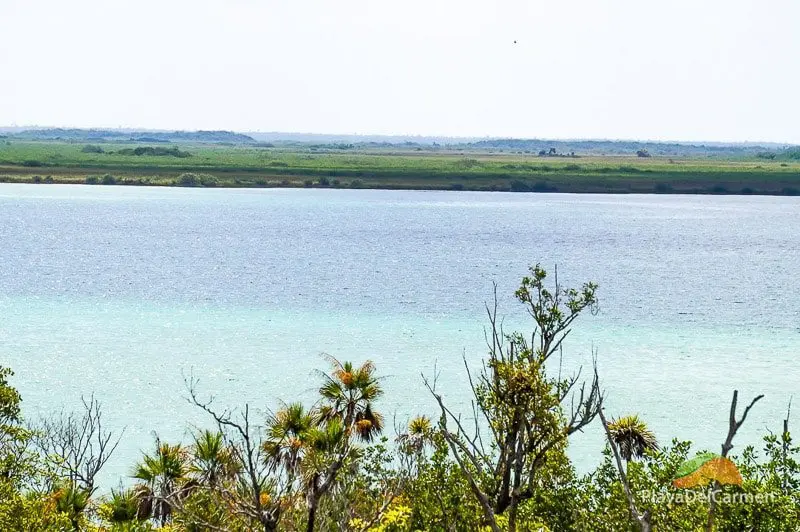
x,y
260,486
733,427
527,413
77,443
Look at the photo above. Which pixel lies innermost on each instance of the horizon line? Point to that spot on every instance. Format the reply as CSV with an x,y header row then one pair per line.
x,y
393,135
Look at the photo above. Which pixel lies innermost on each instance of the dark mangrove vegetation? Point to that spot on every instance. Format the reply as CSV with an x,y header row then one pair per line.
x,y
335,464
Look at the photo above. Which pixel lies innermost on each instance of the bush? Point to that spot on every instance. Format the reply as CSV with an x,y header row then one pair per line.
x,y
356,183
336,182
48,179
188,180
92,180
456,186
663,188
109,179
36,179
91,148
157,152
468,163
541,186
307,183
278,164
791,154
324,182
519,186
572,167
32,163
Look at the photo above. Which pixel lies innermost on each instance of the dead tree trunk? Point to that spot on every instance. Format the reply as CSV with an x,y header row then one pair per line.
x,y
641,518
733,427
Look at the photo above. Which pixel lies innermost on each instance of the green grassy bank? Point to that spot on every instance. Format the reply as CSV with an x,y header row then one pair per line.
x,y
389,168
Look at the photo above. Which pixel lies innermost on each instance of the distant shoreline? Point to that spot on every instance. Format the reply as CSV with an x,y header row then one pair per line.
x,y
246,166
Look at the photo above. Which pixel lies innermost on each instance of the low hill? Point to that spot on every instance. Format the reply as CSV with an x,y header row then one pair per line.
x,y
120,135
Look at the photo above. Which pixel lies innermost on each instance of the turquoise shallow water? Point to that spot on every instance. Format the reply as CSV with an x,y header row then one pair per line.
x,y
125,291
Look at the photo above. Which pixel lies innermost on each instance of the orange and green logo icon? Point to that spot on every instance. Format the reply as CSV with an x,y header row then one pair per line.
x,y
704,468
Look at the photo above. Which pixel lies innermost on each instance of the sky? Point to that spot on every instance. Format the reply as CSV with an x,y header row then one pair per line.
x,y
650,70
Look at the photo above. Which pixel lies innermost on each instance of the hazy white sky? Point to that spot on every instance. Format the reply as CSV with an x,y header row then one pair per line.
x,y
688,70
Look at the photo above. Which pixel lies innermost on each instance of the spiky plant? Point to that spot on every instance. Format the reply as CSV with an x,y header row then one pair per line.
x,y
161,475
211,458
632,437
123,506
287,436
418,434
72,500
348,393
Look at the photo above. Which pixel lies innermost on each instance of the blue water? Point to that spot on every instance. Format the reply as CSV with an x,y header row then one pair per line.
x,y
124,292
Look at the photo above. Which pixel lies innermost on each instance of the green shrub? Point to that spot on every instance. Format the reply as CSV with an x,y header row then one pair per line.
x,y
109,179
157,152
188,180
308,183
32,163
324,182
92,180
92,148
356,183
520,186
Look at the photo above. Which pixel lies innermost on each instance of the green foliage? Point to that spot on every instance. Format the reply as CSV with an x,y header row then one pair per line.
x,y
10,399
158,151
377,167
29,513
108,179
328,466
92,148
632,437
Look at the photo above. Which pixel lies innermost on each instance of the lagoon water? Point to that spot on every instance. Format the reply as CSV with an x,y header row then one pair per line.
x,y
123,292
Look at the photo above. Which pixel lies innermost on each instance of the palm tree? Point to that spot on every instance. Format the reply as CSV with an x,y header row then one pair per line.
x,y
73,501
161,476
288,433
632,437
419,432
211,458
348,394
123,506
